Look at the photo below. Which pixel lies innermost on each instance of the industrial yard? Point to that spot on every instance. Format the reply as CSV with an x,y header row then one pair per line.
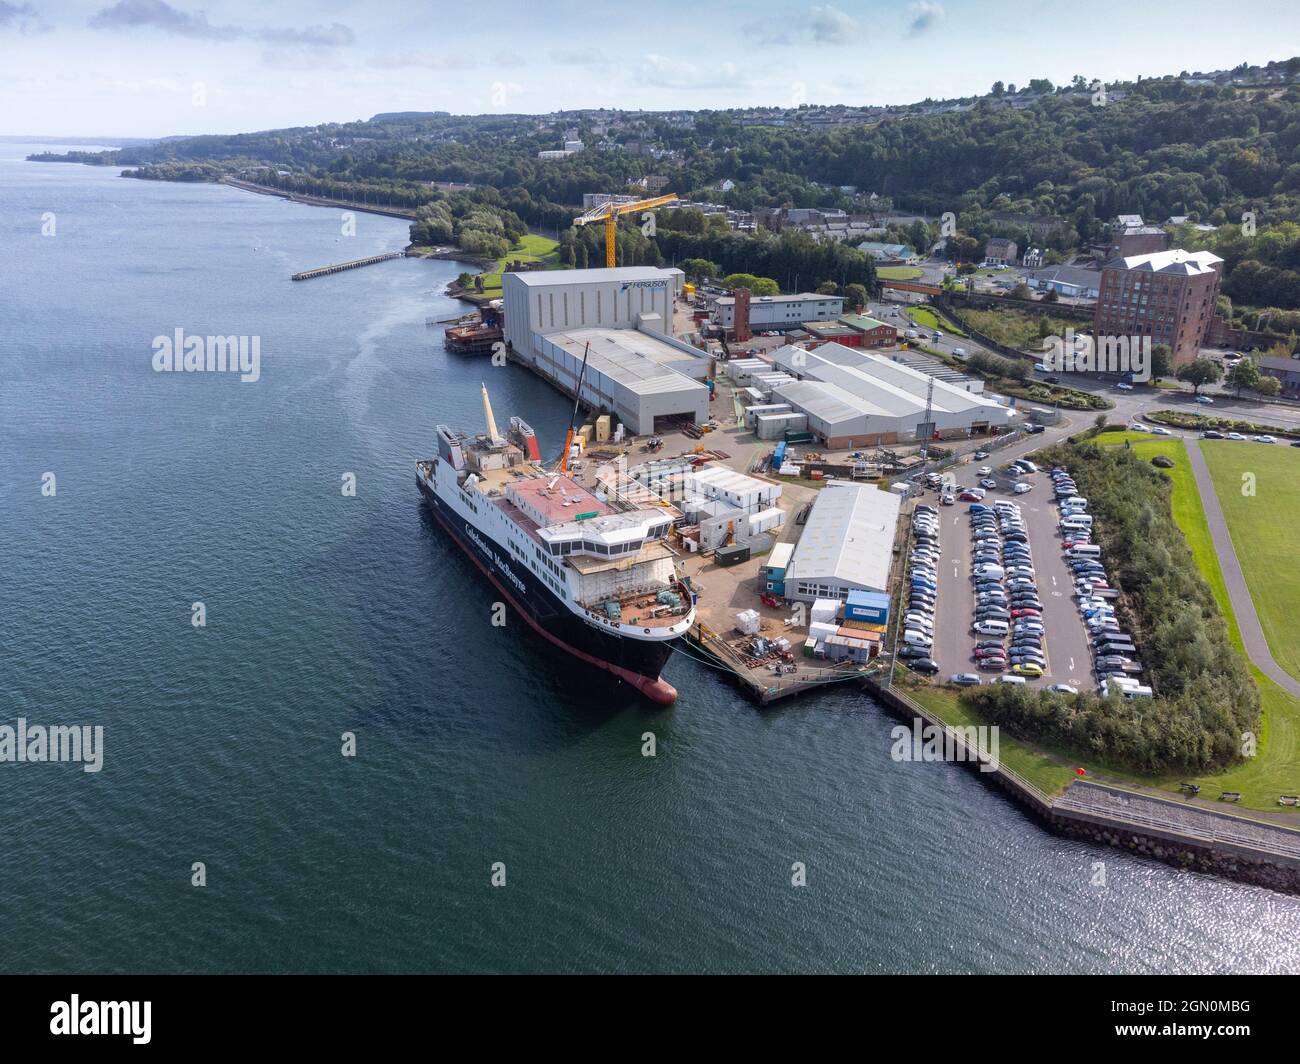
x,y
784,455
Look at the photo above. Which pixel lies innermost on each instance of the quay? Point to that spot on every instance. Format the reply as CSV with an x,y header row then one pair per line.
x,y
339,267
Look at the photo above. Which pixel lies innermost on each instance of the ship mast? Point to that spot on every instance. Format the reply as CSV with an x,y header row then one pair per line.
x,y
494,437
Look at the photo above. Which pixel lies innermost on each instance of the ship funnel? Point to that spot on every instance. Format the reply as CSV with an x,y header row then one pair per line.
x,y
493,436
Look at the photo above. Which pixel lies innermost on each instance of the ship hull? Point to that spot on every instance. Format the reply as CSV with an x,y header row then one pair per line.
x,y
637,662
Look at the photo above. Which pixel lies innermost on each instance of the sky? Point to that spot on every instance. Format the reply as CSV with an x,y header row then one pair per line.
x,y
148,68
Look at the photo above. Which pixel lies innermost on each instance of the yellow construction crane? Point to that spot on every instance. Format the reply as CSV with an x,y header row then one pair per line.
x,y
609,213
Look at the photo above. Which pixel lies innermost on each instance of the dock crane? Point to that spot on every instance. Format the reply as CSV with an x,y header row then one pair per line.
x,y
573,420
609,213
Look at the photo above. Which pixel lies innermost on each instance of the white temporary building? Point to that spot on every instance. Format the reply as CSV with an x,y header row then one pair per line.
x,y
846,545
745,493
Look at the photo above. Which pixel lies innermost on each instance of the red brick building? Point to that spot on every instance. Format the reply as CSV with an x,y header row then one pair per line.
x,y
1168,295
872,333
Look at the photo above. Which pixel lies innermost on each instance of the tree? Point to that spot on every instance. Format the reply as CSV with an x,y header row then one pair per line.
x,y
828,288
759,286
1198,372
701,269
1162,361
855,296
999,90
1268,385
1051,296
1245,374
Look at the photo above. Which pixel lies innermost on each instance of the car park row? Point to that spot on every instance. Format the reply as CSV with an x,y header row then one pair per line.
x,y
917,640
1008,611
1115,662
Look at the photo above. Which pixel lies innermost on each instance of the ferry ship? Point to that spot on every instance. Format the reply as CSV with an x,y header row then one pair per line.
x,y
596,579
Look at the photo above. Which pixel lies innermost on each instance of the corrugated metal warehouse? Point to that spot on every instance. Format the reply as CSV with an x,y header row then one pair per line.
x,y
636,370
546,301
636,377
846,545
854,398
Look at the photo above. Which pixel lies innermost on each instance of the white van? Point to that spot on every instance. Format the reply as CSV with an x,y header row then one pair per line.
x,y
1077,521
914,638
991,627
1139,692
1084,550
1075,500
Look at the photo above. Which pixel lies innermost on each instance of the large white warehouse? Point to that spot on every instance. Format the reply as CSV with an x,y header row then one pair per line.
x,y
847,543
636,377
858,399
622,320
556,300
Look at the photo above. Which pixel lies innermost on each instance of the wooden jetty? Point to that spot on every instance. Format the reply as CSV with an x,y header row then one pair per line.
x,y
339,267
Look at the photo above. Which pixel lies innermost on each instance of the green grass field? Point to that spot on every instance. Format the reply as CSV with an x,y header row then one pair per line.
x,y
898,273
1262,512
531,248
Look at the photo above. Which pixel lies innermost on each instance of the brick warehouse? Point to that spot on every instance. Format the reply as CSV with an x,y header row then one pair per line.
x,y
1168,295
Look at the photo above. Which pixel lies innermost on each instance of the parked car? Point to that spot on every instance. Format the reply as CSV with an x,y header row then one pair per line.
x,y
1062,689
1022,487
926,665
966,679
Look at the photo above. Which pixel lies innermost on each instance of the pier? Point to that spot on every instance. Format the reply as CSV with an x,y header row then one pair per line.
x,y
339,267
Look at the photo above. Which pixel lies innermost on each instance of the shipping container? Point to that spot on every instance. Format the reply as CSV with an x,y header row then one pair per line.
x,y
869,606
732,555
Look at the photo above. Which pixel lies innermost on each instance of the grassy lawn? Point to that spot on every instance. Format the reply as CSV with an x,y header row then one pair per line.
x,y
1263,532
898,273
928,318
531,248
1050,773
1118,437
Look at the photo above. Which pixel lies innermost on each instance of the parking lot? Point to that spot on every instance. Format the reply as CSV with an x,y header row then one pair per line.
x,y
1065,638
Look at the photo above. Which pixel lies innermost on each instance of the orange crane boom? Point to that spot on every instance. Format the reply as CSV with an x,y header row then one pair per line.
x,y
609,214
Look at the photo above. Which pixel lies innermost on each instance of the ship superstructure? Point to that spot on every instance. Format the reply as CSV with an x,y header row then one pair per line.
x,y
595,578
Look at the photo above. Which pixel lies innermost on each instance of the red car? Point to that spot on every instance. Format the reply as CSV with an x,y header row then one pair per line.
x,y
1027,612
989,652
993,663
971,496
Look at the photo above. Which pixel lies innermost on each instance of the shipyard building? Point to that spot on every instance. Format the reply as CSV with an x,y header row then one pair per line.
x,y
853,398
621,320
847,544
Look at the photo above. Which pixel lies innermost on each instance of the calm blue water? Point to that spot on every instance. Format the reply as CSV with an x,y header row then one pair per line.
x,y
476,744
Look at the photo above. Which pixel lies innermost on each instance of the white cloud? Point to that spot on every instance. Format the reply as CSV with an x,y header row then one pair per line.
x,y
830,25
